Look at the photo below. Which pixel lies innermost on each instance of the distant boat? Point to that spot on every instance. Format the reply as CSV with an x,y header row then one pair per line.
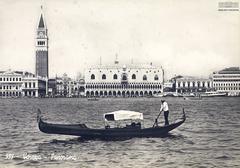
x,y
158,95
166,94
195,97
171,94
134,129
213,94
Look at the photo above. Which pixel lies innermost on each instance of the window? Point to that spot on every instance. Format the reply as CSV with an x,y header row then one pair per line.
x,y
124,77
115,76
156,77
41,42
144,77
133,76
92,76
25,85
103,76
20,79
0,79
30,85
33,85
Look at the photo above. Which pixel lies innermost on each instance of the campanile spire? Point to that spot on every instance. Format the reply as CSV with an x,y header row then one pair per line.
x,y
41,22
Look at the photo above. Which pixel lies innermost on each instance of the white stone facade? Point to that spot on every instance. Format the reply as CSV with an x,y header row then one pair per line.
x,y
10,84
227,80
126,81
193,84
30,86
19,84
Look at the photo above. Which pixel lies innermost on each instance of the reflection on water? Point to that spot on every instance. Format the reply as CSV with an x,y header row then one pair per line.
x,y
209,137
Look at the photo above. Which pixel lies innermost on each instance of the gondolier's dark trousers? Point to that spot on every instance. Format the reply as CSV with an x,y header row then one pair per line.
x,y
166,117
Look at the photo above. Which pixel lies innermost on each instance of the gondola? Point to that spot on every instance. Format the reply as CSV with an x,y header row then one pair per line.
x,y
128,131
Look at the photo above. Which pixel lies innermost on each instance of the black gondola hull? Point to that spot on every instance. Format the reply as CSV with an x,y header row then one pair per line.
x,y
108,133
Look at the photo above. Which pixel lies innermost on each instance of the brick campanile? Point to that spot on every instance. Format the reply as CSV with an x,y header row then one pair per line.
x,y
41,49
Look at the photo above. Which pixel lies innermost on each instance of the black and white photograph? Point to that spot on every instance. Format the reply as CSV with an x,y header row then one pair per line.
x,y
119,84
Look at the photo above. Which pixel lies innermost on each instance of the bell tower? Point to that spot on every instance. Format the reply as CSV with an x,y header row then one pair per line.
x,y
41,48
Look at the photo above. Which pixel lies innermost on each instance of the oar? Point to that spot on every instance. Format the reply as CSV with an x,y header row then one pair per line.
x,y
156,120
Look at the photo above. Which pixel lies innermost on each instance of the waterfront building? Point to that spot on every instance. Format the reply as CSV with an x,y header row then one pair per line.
x,y
42,49
19,84
10,84
61,87
33,86
227,80
66,87
52,87
72,88
81,87
168,86
123,81
190,84
76,88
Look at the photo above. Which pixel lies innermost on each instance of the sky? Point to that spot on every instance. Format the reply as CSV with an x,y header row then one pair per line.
x,y
184,37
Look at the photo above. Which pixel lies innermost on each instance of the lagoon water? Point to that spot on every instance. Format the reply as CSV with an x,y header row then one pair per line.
x,y
210,137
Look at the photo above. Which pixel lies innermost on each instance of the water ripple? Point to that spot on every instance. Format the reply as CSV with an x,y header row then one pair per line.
x,y
209,138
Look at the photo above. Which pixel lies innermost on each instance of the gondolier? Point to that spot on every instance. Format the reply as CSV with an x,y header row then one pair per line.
x,y
164,108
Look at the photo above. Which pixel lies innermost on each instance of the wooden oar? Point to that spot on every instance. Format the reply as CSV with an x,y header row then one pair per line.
x,y
156,120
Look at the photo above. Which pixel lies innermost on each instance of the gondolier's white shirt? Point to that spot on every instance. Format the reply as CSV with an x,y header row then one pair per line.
x,y
164,107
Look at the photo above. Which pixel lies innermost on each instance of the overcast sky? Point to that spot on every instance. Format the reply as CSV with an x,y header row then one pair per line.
x,y
185,37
